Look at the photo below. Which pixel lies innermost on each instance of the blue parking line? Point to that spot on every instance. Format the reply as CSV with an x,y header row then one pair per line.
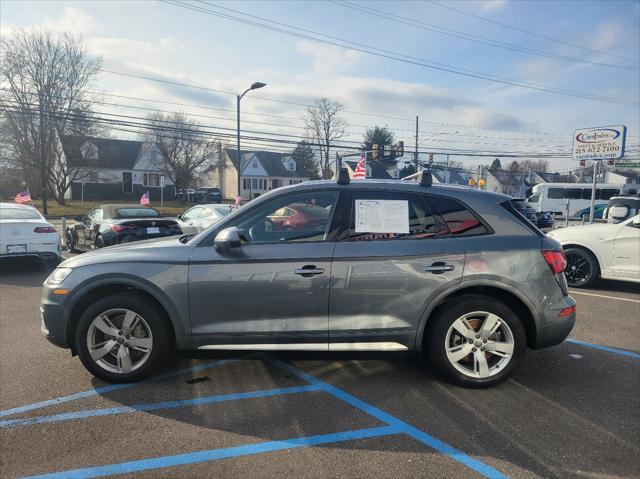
x,y
156,406
608,349
217,454
397,424
112,387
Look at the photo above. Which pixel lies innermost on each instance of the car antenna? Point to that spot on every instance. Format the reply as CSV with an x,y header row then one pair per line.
x,y
343,176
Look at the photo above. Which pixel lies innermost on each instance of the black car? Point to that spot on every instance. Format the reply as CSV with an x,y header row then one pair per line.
x,y
111,224
540,219
206,194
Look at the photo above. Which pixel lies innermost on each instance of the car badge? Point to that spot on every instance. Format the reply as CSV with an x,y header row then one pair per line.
x,y
153,223
15,232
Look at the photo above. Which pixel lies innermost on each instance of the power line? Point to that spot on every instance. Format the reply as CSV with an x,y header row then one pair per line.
x,y
391,55
521,30
470,37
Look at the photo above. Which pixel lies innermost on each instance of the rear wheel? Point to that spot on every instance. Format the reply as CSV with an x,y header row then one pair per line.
x,y
122,338
582,267
71,241
476,341
99,242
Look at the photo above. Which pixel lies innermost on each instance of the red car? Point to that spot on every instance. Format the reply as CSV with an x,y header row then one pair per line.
x,y
299,217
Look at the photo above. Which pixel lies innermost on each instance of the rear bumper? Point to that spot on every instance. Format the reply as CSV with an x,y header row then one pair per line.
x,y
555,329
43,249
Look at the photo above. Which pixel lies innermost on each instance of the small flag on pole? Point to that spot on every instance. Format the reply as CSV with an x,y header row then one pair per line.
x,y
23,197
360,173
144,199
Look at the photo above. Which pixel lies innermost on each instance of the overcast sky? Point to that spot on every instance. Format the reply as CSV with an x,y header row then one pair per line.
x,y
166,41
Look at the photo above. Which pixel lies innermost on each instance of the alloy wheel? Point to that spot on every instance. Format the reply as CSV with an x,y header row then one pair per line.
x,y
578,270
479,344
119,340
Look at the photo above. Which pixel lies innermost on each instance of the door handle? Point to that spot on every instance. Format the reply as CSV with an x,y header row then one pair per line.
x,y
439,268
309,270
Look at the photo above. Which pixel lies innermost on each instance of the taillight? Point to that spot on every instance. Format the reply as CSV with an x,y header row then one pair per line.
x,y
567,311
45,229
119,228
556,260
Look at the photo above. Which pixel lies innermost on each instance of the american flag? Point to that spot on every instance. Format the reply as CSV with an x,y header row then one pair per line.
x,y
360,173
23,197
144,199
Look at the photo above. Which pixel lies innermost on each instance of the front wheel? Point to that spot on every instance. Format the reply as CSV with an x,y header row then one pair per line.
x,y
122,338
71,242
476,341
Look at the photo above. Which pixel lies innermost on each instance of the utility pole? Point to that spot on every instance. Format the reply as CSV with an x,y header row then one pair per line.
x,y
43,160
447,178
221,170
593,191
478,182
415,155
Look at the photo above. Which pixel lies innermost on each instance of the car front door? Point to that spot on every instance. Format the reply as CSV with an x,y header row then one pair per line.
x,y
626,251
394,257
273,290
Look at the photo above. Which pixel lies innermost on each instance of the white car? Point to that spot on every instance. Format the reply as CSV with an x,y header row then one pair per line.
x,y
610,251
200,217
25,232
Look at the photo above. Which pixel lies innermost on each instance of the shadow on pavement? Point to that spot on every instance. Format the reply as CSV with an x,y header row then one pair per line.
x,y
27,271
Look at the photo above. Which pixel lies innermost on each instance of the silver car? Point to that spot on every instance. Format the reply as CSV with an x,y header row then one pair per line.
x,y
455,274
200,217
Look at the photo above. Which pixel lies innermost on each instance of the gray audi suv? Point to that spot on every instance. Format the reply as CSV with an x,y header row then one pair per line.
x,y
455,274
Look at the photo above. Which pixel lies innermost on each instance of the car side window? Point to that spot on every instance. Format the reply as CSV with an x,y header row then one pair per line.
x,y
308,217
459,220
419,224
205,213
95,214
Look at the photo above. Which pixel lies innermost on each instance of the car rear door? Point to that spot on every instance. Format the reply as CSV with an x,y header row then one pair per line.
x,y
391,260
273,290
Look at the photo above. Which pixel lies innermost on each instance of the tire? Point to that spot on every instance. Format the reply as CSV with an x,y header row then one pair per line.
x,y
99,242
582,267
71,242
150,333
445,344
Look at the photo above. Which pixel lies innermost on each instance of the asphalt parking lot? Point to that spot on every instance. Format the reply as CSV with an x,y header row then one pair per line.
x,y
570,411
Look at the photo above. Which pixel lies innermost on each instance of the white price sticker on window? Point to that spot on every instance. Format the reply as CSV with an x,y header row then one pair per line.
x,y
382,216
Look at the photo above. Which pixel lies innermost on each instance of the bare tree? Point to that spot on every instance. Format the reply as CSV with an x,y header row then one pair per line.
x,y
183,144
46,79
325,125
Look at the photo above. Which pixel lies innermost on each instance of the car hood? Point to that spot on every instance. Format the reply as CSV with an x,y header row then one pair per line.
x,y
153,250
582,232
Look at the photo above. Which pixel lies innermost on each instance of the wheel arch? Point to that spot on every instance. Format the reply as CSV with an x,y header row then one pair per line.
x,y
523,308
110,285
588,249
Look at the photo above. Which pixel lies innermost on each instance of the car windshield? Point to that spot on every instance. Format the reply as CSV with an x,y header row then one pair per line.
x,y
224,211
18,214
136,212
533,198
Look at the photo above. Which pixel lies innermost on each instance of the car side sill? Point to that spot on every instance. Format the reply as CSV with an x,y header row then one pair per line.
x,y
370,346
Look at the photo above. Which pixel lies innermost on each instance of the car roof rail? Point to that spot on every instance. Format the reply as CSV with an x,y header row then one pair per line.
x,y
424,178
343,176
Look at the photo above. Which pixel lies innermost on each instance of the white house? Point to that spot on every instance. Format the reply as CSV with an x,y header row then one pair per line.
x,y
110,169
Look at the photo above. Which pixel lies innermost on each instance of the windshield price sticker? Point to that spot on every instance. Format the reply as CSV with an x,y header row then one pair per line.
x,y
382,216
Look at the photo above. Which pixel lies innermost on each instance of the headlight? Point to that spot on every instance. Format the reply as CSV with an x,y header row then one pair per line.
x,y
59,275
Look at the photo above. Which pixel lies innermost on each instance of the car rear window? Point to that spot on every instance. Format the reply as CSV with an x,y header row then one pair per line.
x,y
136,212
458,218
18,214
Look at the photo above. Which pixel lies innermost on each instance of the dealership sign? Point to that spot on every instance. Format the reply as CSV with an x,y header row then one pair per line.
x,y
604,143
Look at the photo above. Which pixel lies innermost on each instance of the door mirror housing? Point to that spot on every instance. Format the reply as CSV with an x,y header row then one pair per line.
x,y
636,222
227,240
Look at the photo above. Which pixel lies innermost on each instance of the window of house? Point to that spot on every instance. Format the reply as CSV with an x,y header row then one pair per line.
x,y
293,218
254,183
422,223
151,179
459,220
275,183
255,163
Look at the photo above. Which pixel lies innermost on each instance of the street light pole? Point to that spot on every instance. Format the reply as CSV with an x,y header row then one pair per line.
x,y
254,86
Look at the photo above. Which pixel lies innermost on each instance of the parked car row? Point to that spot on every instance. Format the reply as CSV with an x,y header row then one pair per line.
x,y
204,194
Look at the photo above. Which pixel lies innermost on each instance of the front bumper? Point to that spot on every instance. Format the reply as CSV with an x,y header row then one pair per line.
x,y
53,321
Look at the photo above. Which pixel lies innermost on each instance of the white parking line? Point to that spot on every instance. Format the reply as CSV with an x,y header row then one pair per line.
x,y
604,296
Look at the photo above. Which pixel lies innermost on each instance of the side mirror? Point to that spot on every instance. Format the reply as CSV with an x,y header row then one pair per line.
x,y
636,222
78,218
227,239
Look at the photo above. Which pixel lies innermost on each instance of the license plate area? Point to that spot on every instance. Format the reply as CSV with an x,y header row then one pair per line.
x,y
16,248
153,231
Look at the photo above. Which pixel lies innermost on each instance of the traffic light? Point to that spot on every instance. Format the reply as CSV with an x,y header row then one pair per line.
x,y
583,162
374,152
430,159
610,162
400,149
